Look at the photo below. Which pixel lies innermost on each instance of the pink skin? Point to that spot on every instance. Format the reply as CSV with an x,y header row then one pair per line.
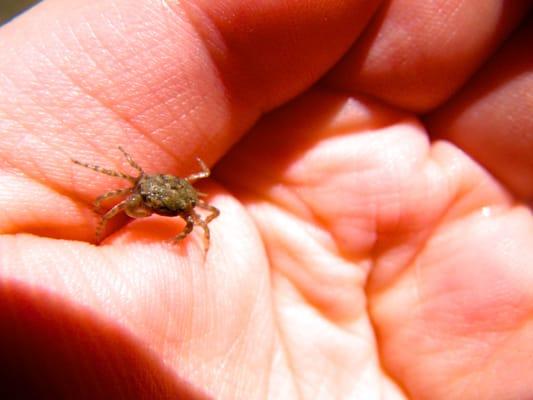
x,y
361,250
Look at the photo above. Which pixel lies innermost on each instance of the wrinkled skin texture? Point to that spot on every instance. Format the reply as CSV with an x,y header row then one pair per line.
x,y
372,164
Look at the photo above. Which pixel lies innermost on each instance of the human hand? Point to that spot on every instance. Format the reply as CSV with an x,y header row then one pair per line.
x,y
356,255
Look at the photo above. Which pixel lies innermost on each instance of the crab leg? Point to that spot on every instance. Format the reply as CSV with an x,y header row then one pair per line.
x,y
188,229
131,161
214,211
109,195
105,171
199,175
107,216
203,224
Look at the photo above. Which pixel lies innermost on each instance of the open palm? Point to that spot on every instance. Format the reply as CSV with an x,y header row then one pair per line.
x,y
374,239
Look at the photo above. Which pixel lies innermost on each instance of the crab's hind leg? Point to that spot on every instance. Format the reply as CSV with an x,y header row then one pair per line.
x,y
215,212
107,216
188,229
207,234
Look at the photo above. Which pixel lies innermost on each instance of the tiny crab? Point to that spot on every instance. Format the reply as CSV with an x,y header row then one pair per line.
x,y
161,194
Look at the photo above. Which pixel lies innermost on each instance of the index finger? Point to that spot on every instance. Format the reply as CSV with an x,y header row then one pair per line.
x,y
167,80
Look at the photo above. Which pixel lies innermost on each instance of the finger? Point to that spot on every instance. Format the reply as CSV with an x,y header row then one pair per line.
x,y
416,54
491,117
169,81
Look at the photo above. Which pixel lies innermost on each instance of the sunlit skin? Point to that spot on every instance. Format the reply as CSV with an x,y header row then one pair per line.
x,y
372,165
